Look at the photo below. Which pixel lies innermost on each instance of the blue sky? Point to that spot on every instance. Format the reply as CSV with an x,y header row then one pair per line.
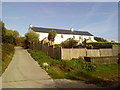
x,y
99,18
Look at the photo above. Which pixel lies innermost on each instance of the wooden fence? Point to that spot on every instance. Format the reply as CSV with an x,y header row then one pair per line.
x,y
69,53
48,50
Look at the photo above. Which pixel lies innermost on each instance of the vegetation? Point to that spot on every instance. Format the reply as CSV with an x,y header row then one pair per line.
x,y
31,37
98,39
8,36
7,54
69,43
19,41
8,42
98,45
77,69
51,35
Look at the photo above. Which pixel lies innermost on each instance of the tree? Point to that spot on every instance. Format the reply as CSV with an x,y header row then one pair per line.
x,y
99,39
69,43
112,41
8,36
19,41
15,34
51,35
2,31
31,37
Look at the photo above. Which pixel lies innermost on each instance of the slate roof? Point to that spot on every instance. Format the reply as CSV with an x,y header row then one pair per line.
x,y
60,31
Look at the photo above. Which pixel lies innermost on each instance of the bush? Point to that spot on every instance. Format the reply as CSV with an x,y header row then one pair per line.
x,y
98,39
9,39
51,35
30,37
98,45
89,67
57,45
19,41
9,36
69,43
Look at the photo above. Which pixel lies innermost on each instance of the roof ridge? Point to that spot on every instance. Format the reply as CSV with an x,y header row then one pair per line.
x,y
61,29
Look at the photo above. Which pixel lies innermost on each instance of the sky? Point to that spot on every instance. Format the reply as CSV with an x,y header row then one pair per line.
x,y
60,0
98,18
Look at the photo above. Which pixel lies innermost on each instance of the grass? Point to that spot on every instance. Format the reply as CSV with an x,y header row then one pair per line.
x,y
7,54
77,69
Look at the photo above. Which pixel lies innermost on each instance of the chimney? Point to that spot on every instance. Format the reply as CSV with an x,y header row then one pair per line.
x,y
71,29
30,25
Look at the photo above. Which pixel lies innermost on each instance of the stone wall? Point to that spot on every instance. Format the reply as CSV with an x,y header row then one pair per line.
x,y
102,60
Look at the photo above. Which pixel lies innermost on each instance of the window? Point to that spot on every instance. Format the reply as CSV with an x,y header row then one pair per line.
x,y
73,37
89,38
80,37
61,36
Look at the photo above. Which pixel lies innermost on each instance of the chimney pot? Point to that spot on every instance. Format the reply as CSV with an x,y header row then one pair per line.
x,y
71,29
31,25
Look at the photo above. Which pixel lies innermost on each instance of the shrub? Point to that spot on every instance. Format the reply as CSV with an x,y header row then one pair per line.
x,y
69,43
99,39
9,39
31,37
57,45
19,41
97,45
9,36
89,67
51,35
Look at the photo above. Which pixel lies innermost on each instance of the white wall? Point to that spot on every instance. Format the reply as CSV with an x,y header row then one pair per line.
x,y
42,35
59,39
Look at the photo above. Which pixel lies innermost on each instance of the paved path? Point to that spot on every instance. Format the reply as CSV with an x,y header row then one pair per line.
x,y
24,72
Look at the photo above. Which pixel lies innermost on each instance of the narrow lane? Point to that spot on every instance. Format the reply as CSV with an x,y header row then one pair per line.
x,y
24,72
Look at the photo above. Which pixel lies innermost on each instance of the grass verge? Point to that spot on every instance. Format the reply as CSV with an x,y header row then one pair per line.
x,y
7,54
77,69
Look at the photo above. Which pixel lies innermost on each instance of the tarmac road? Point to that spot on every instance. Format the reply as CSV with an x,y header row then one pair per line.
x,y
24,72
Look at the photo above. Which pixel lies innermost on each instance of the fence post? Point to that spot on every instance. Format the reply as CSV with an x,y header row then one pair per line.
x,y
100,52
60,50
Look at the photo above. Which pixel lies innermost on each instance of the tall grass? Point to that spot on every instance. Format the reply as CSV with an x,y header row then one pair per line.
x,y
7,54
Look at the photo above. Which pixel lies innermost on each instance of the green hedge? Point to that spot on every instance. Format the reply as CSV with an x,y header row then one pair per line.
x,y
98,45
7,54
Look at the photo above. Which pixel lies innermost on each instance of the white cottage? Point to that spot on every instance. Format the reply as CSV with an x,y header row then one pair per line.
x,y
63,34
